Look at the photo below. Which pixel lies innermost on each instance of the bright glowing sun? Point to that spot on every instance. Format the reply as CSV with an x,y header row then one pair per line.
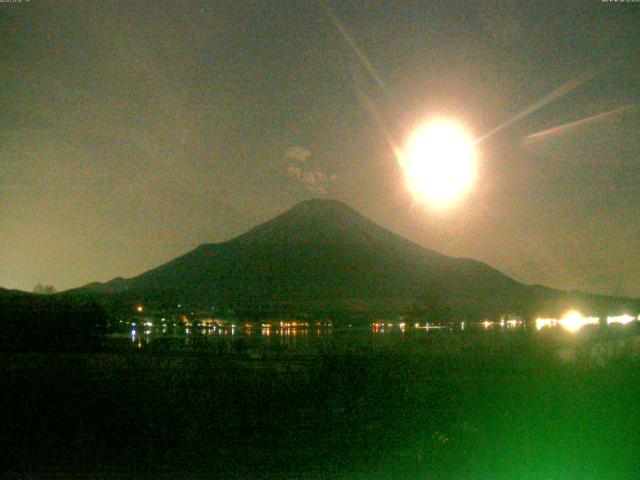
x,y
439,162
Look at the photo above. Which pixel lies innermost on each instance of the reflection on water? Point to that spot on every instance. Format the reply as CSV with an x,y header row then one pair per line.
x,y
290,334
231,334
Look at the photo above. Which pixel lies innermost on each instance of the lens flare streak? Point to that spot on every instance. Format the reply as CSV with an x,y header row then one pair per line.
x,y
348,38
557,93
567,127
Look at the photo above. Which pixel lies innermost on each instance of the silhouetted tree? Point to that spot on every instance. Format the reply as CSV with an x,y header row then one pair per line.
x,y
44,289
432,305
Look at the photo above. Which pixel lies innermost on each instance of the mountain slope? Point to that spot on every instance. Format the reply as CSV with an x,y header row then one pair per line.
x,y
322,253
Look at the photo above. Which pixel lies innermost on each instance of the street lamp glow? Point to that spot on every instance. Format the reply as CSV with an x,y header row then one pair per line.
x,y
623,319
574,321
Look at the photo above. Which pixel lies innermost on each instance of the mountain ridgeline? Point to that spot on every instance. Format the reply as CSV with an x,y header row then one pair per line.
x,y
323,256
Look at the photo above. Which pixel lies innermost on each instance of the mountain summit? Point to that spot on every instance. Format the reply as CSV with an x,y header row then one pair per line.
x,y
322,254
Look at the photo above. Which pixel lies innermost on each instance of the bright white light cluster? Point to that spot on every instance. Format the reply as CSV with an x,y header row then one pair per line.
x,y
545,323
574,321
571,321
623,319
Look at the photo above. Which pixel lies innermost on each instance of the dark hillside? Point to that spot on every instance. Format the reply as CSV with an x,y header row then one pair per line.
x,y
323,254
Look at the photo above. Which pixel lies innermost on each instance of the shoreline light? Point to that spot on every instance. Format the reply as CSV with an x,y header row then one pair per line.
x,y
574,321
623,319
546,323
571,321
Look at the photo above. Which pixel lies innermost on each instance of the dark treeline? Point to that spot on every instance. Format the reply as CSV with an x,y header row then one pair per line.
x,y
50,323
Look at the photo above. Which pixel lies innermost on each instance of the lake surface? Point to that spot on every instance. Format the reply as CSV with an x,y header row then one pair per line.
x,y
294,338
590,342
484,402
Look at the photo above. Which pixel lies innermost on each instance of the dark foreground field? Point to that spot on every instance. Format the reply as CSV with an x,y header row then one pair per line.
x,y
448,406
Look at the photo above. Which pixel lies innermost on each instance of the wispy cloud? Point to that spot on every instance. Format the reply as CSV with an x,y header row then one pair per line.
x,y
313,180
297,153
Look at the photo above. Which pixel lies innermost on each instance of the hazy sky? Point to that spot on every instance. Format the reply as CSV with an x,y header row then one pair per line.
x,y
131,132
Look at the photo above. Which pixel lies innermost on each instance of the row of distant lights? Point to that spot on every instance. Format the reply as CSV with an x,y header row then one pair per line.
x,y
571,321
503,323
140,309
574,321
